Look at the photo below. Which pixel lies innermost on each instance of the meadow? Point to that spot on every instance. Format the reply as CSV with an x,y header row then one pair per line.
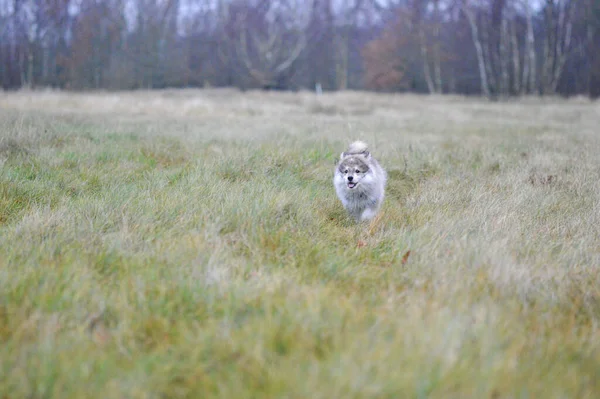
x,y
189,244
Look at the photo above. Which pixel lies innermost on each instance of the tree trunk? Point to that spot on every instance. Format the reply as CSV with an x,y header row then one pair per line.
x,y
30,60
425,57
563,45
452,83
341,66
504,57
485,88
487,56
529,73
45,56
437,68
549,47
557,43
590,53
515,58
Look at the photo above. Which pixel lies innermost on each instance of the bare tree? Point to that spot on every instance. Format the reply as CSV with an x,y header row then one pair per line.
x,y
352,19
418,45
320,59
437,52
504,56
428,29
591,43
424,52
346,21
516,57
483,71
270,41
558,26
155,41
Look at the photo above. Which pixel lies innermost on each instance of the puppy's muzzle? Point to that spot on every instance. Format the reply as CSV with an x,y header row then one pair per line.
x,y
351,184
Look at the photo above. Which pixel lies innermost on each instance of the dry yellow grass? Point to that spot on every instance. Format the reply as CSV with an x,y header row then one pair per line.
x,y
189,244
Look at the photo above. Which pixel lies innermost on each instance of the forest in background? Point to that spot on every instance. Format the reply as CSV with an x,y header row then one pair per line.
x,y
495,48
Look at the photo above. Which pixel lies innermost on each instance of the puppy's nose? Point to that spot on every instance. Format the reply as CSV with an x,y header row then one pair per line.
x,y
350,178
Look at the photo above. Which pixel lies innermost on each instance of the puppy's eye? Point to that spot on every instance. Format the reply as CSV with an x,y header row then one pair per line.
x,y
357,171
346,171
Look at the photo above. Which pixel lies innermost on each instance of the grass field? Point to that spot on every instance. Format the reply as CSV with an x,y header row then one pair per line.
x,y
189,244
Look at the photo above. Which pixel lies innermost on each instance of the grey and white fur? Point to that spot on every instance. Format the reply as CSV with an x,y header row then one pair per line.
x,y
359,182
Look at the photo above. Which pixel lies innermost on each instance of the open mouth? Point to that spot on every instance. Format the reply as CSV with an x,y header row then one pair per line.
x,y
351,185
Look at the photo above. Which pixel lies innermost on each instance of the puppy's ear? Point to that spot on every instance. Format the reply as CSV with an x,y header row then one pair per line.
x,y
366,154
343,155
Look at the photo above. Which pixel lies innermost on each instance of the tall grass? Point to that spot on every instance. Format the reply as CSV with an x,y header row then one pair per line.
x,y
189,244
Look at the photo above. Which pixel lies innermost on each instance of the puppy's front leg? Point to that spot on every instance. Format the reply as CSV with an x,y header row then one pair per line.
x,y
368,214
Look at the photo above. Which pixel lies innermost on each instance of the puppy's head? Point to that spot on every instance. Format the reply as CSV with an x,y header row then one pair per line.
x,y
353,169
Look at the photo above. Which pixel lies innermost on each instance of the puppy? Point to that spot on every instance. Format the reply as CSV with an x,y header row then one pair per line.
x,y
359,182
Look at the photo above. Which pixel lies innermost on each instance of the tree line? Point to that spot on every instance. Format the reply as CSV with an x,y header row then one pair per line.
x,y
488,47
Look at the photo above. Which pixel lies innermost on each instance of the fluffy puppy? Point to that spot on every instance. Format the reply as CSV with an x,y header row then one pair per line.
x,y
359,182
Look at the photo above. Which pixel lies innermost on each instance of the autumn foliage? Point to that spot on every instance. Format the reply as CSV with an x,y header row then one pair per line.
x,y
384,66
492,47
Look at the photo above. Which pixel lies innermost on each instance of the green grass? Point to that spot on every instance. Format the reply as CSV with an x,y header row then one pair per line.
x,y
189,244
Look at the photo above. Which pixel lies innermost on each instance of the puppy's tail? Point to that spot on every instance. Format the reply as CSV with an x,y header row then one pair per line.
x,y
357,147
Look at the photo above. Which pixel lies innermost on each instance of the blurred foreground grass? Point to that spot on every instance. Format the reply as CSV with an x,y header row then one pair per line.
x,y
189,244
